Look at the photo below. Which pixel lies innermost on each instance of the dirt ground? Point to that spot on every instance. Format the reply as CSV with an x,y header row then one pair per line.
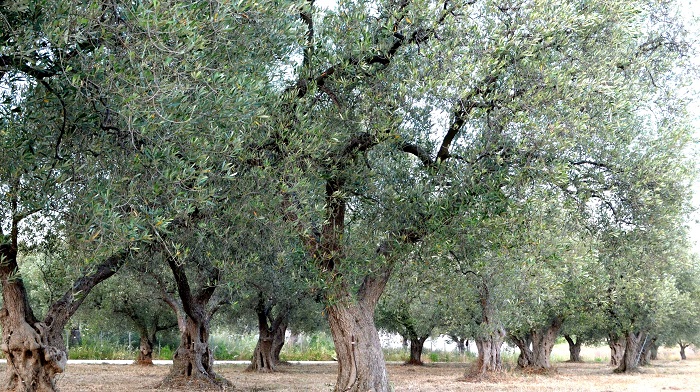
x,y
663,375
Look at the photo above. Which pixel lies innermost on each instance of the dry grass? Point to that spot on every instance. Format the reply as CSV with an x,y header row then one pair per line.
x,y
666,374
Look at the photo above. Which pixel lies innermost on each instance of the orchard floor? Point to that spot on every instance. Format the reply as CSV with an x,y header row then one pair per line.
x,y
662,375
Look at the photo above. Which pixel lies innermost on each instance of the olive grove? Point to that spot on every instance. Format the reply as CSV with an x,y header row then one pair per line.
x,y
538,152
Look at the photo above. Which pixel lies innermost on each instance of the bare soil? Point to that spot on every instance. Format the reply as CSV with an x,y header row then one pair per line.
x,y
662,375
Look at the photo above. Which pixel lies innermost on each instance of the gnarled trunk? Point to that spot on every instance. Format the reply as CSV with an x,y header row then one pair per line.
x,y
263,360
416,351
361,365
617,349
574,348
145,356
536,345
35,351
524,343
193,362
543,342
270,332
490,340
489,353
634,344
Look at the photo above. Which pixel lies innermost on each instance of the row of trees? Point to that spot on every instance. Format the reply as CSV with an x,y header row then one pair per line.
x,y
523,155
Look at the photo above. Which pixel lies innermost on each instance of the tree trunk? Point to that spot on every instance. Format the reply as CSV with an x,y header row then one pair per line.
x,y
461,343
489,341
145,357
76,338
193,362
361,366
634,344
526,356
683,347
645,357
543,342
270,337
416,351
654,349
263,360
617,349
278,342
35,351
574,348
489,353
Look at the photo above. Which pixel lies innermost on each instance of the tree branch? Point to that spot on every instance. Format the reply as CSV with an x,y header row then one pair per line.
x,y
60,311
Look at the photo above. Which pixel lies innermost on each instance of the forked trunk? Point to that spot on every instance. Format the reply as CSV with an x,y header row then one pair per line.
x,y
35,351
634,344
270,332
683,346
543,342
617,349
361,366
145,356
461,343
416,351
489,353
574,348
193,362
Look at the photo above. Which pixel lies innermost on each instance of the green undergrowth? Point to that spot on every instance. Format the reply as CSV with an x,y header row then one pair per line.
x,y
402,355
240,347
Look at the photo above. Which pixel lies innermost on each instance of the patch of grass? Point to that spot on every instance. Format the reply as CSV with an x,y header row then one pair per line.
x,y
317,347
96,350
233,347
402,355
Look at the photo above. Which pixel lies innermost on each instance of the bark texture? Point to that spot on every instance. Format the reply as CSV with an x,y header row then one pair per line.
x,y
416,351
489,353
617,349
35,350
488,344
361,366
634,345
145,355
278,341
543,342
271,332
574,348
193,362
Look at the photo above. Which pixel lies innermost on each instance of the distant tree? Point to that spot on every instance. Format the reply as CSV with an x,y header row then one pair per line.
x,y
413,305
